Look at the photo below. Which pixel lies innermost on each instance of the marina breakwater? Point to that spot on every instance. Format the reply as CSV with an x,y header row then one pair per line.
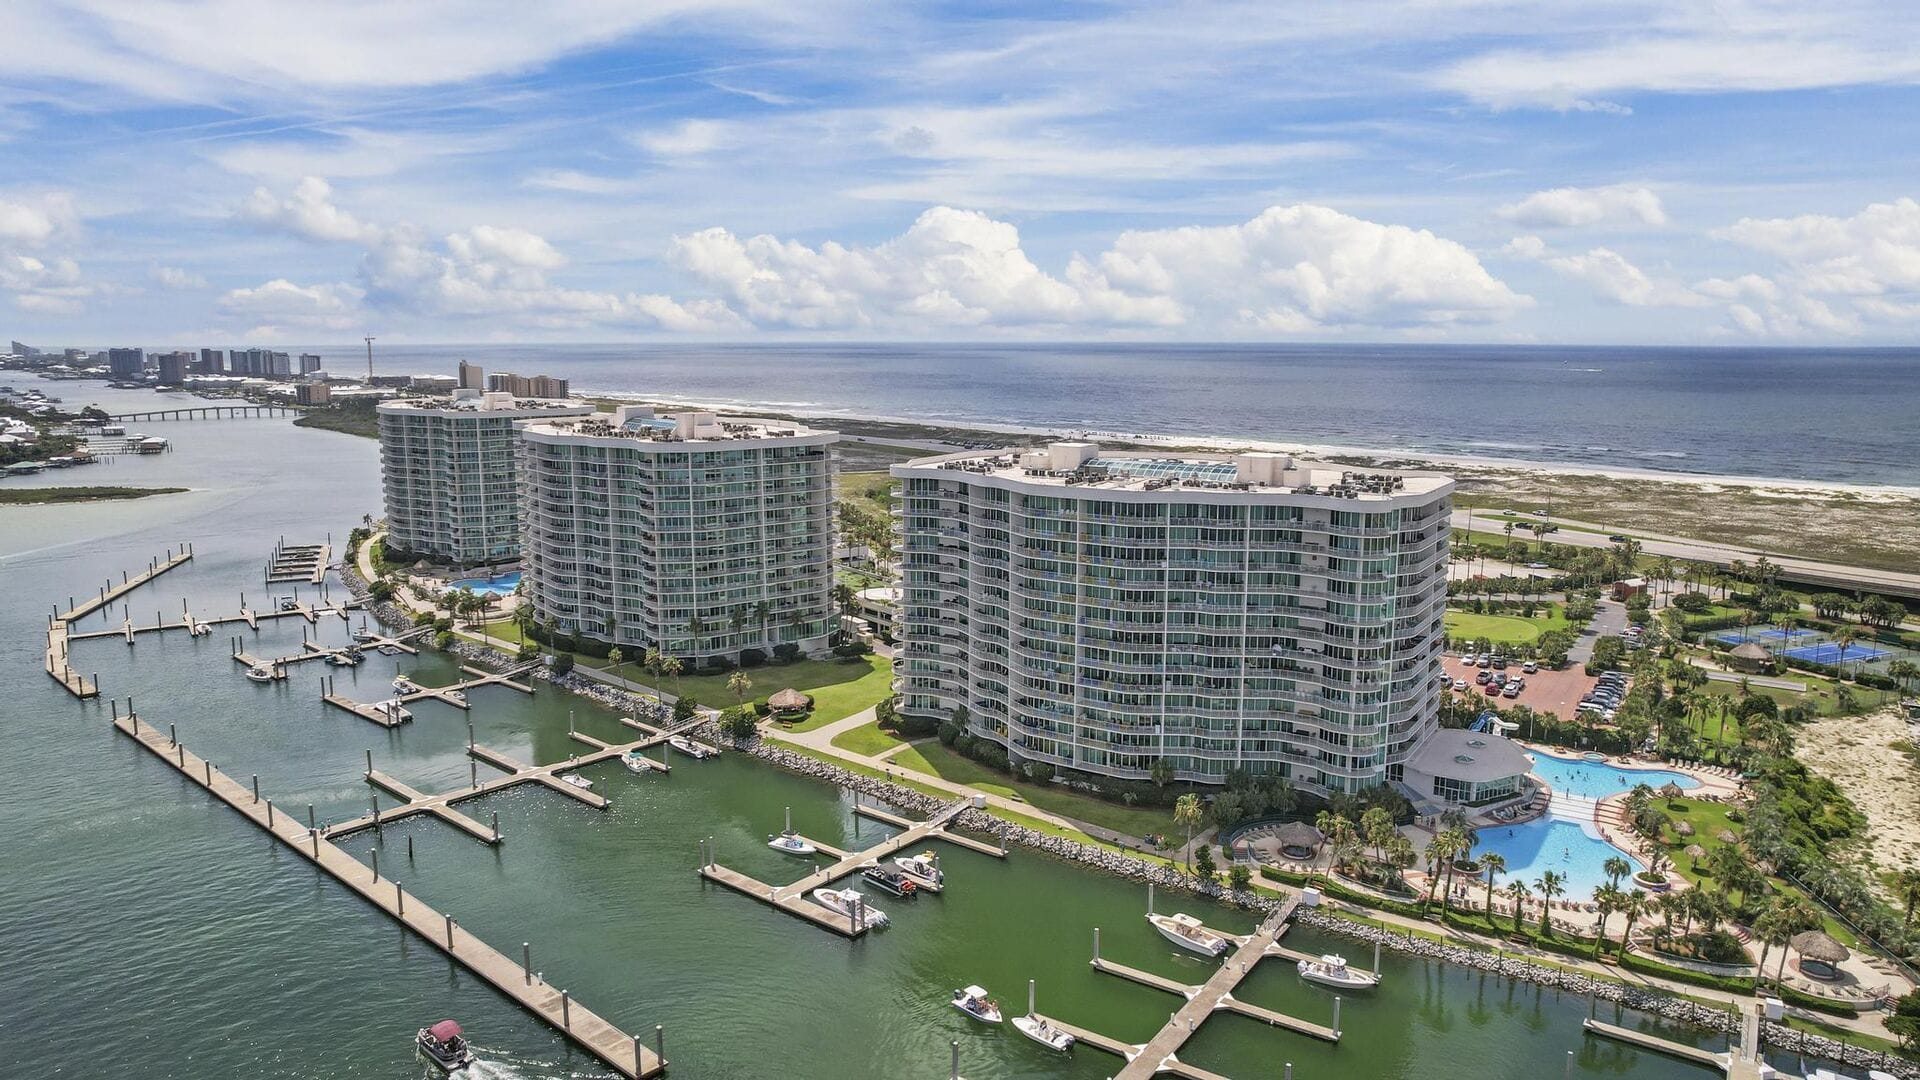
x,y
1668,1007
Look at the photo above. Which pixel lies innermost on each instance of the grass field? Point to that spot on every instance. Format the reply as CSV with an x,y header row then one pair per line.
x,y
937,759
867,739
839,688
44,495
1503,629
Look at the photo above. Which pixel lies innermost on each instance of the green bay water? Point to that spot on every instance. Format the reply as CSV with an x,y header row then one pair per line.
x,y
147,931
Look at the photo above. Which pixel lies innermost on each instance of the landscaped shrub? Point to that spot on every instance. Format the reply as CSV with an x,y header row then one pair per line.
x,y
786,652
684,708
719,665
561,663
1691,602
752,658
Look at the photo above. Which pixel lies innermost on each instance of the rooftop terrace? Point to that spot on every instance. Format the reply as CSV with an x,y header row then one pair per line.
x,y
1077,464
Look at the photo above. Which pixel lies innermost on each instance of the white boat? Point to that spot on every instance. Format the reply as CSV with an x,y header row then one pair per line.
x,y
975,1003
390,650
791,843
634,762
260,674
445,1046
697,751
395,711
200,629
576,780
458,697
1331,970
343,659
1043,1033
404,685
364,634
923,868
845,901
1187,932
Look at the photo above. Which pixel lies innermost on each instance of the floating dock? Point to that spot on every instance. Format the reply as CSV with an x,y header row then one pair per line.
x,y
376,712
1160,1054
795,899
299,562
623,1053
60,634
1734,1066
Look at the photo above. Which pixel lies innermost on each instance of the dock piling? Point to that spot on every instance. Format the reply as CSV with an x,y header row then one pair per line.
x,y
409,847
256,787
449,933
566,1020
496,826
399,900
1030,1009
269,813
1150,910
1096,945
310,821
1376,957
659,1042
1336,1016
369,762
1569,1070
374,854
954,1072
182,755
526,962
1288,1074
173,737
473,773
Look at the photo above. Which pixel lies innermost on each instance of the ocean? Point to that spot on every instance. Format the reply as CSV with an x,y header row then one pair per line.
x,y
1847,416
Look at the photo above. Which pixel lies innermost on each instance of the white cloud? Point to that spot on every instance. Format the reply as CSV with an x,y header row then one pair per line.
x,y
282,303
515,247
1835,274
34,220
1293,269
688,138
39,280
174,277
1610,274
308,212
1568,207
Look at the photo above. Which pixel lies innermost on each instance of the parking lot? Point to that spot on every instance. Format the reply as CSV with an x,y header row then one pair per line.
x,y
1556,692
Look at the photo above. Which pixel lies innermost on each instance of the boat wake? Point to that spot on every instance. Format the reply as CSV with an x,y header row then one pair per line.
x,y
499,1065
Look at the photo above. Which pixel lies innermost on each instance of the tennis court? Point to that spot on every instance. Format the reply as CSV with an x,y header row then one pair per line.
x,y
1766,633
1829,652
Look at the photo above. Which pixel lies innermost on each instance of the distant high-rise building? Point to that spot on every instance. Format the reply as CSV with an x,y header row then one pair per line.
x,y
247,361
537,386
309,363
72,354
212,362
546,386
313,393
472,376
21,348
173,367
126,363
279,365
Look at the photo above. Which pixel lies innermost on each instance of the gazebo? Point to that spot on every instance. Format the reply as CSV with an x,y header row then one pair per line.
x,y
1298,840
1750,656
789,701
1820,955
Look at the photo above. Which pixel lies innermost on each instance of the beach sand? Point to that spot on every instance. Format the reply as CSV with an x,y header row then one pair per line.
x,y
1858,754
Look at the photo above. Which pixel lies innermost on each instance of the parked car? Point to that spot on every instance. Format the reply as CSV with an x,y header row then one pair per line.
x,y
1513,689
1499,661
1483,678
1529,667
1460,684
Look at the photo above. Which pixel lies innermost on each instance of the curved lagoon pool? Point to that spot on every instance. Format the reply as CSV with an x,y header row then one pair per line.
x,y
1595,780
498,585
1566,840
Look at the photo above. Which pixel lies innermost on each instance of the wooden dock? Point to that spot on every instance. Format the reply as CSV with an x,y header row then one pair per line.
x,y
299,562
1160,1054
186,621
795,898
1727,1063
620,1051
380,713
60,635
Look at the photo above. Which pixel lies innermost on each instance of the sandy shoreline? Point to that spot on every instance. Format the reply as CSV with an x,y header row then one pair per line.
x,y
1858,755
1409,458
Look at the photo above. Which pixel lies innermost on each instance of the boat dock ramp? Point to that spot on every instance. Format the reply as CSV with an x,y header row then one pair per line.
x,y
1160,1053
299,562
625,1054
60,624
386,713
1733,1064
794,899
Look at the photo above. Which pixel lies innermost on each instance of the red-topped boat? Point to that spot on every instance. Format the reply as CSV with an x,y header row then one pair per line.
x,y
445,1046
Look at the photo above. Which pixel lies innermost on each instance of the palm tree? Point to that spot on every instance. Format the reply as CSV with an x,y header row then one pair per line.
x,y
1441,851
1635,907
1550,884
1609,899
1906,886
1518,890
1904,672
1616,869
738,684
1188,811
618,659
654,664
1494,864
1844,637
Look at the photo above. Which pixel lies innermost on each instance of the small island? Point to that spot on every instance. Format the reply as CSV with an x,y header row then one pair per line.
x,y
46,495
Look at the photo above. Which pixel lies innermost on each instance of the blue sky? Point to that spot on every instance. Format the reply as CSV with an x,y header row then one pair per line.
x,y
185,173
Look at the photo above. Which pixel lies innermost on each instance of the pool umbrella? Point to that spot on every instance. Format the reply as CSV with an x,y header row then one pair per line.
x,y
1696,853
1670,790
1683,828
1727,836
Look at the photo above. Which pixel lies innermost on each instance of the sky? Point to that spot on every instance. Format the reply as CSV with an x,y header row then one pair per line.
x,y
182,174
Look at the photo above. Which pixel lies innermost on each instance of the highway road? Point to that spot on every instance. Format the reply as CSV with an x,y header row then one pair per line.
x,y
1805,571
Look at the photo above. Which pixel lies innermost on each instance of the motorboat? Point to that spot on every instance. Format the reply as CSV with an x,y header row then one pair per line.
x,y
260,674
395,711
889,880
697,751
923,868
847,901
1187,932
363,635
576,780
458,697
390,650
636,762
1332,970
792,843
200,629
975,1003
404,685
1033,1027
445,1046
346,658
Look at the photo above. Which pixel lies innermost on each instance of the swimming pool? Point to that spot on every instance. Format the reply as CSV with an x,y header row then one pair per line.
x,y
1552,843
1594,779
498,585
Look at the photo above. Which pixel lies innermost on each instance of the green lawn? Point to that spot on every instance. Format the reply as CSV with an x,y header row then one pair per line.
x,y
1502,629
867,739
839,688
937,759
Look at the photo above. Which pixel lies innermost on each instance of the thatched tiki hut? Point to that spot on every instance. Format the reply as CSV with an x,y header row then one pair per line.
x,y
1696,853
1298,840
1671,791
1820,955
789,701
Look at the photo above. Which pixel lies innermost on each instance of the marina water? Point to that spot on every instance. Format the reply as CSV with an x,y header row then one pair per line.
x,y
147,931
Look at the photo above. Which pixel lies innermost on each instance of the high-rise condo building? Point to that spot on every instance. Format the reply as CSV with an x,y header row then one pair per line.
x,y
698,535
449,469
126,363
173,367
472,376
543,386
1102,612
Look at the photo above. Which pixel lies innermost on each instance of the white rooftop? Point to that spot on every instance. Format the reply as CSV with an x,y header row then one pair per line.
x,y
1471,756
639,422
1086,465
